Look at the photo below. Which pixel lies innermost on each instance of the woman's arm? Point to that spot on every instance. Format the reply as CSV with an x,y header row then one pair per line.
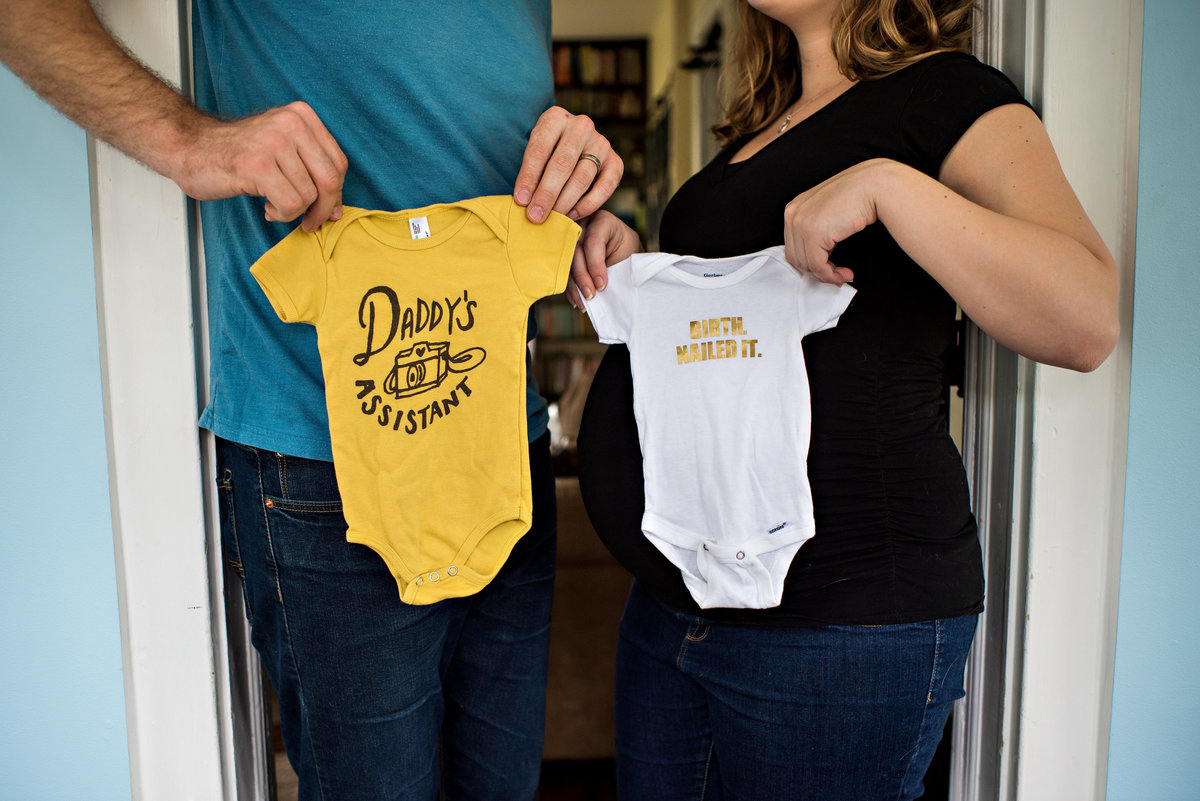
x,y
604,241
1002,232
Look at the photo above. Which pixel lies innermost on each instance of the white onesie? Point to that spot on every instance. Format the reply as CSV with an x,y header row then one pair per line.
x,y
721,399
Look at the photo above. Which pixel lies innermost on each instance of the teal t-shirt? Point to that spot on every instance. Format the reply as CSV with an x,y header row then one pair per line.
x,y
430,102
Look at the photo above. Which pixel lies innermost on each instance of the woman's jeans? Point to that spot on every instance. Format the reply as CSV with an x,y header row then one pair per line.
x,y
746,713
368,686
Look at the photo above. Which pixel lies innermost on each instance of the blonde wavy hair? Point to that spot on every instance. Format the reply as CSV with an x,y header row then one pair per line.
x,y
871,38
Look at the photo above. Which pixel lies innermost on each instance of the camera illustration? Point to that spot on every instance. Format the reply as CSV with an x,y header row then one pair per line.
x,y
424,365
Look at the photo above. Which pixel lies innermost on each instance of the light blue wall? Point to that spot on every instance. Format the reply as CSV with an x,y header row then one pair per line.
x,y
1154,750
62,703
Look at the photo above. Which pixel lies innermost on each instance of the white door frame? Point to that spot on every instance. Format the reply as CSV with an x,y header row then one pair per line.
x,y
168,566
1050,494
1080,62
1091,71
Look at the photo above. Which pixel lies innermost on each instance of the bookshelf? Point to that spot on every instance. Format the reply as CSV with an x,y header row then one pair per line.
x,y
565,338
606,80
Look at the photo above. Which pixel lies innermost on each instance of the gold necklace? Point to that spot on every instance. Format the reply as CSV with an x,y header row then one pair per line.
x,y
783,125
796,106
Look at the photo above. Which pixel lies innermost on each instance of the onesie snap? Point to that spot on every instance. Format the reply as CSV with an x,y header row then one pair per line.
x,y
722,407
423,351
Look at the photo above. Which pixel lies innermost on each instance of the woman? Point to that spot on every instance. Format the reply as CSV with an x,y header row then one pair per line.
x,y
865,141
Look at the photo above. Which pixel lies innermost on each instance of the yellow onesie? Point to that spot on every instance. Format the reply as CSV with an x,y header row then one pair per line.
x,y
421,325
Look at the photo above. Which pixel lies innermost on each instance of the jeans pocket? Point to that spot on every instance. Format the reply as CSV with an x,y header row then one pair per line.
x,y
305,530
305,485
229,538
303,512
231,544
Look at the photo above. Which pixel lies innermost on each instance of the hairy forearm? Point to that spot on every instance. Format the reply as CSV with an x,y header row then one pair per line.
x,y
1035,289
61,49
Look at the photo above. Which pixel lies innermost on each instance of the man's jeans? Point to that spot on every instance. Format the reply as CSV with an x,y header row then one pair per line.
x,y
746,713
366,684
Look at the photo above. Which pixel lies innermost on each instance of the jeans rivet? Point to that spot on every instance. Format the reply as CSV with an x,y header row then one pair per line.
x,y
270,504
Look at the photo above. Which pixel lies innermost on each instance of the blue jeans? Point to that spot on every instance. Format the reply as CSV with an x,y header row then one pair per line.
x,y
368,686
743,713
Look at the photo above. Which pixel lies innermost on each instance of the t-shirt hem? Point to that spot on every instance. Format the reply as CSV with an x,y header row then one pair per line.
x,y
268,439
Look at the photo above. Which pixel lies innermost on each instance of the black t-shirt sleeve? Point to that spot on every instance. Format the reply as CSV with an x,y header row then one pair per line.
x,y
953,91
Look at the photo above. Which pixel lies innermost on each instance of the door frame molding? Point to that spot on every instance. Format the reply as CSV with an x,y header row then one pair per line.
x,y
1050,496
170,591
1041,675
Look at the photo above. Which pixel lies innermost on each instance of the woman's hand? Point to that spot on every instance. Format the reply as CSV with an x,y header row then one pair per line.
x,y
817,220
1000,229
558,172
604,242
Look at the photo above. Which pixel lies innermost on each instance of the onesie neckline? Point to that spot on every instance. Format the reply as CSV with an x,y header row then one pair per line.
x,y
669,263
390,227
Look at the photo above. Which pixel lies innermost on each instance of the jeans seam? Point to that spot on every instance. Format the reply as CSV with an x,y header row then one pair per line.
x,y
283,485
262,494
933,674
699,637
314,507
283,612
225,490
707,768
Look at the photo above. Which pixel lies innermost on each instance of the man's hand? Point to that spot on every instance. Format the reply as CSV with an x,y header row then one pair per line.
x,y
558,173
63,51
285,155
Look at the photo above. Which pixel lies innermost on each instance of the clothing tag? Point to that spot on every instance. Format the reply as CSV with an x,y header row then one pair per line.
x,y
419,227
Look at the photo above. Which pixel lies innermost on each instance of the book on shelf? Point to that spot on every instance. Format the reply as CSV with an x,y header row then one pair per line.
x,y
598,63
556,319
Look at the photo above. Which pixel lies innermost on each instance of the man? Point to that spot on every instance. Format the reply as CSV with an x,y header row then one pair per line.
x,y
392,105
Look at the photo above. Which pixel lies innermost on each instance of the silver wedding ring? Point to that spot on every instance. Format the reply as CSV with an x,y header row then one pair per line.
x,y
592,158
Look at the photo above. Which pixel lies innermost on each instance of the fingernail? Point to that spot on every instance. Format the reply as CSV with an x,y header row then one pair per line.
x,y
337,213
587,294
537,213
522,197
574,215
600,284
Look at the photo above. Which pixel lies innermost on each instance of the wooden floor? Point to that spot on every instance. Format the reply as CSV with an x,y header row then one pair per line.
x,y
595,780
578,781
561,781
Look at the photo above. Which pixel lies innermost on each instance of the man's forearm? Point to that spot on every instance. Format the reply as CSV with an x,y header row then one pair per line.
x,y
61,49
285,155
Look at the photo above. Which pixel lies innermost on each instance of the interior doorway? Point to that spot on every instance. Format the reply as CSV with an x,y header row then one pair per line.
x,y
186,728
680,105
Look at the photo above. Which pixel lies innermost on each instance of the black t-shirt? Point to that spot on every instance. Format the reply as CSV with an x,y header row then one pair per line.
x,y
895,537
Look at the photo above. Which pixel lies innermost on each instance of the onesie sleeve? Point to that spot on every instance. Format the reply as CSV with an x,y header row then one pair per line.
x,y
540,255
293,275
820,305
611,309
954,90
